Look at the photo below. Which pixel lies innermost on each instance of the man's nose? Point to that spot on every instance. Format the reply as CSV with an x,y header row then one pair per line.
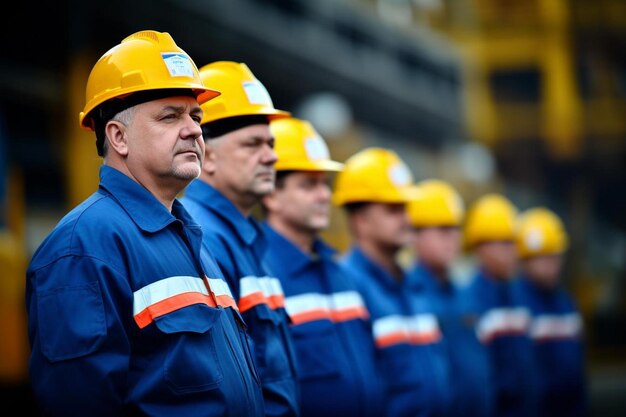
x,y
269,155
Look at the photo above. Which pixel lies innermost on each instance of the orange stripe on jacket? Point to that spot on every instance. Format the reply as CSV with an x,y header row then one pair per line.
x,y
147,316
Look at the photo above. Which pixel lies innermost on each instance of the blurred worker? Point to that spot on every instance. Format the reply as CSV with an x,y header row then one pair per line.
x,y
128,315
436,215
238,171
330,327
373,188
556,327
502,325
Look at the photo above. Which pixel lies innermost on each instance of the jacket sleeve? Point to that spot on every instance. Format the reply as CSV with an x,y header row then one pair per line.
x,y
79,344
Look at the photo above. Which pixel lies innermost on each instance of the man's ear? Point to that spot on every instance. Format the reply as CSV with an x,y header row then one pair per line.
x,y
115,132
210,157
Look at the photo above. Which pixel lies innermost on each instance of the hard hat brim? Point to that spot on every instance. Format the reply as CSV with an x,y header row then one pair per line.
x,y
203,94
329,166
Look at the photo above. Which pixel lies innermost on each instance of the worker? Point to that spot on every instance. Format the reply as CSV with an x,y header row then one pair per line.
x,y
374,188
238,171
330,322
501,324
436,215
127,313
556,326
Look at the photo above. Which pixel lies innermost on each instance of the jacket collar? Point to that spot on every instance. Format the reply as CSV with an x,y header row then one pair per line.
x,y
374,270
212,199
148,213
298,260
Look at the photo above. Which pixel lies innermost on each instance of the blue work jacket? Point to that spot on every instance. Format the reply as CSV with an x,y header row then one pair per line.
x,y
556,331
239,246
331,332
411,353
503,325
129,315
470,368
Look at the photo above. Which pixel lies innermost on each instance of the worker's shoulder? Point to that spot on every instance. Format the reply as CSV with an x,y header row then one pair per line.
x,y
96,221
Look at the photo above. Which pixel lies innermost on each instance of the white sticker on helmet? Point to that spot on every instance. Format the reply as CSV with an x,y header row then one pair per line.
x,y
257,94
534,239
179,65
400,175
316,148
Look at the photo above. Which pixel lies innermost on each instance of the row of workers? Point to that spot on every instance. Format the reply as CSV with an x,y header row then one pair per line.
x,y
143,302
504,345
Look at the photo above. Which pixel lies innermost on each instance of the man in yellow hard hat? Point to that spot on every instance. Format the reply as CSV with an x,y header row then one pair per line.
x,y
330,322
238,171
127,313
556,327
501,323
436,215
374,188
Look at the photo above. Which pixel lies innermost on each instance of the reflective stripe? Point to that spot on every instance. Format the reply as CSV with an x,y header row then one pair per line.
x,y
222,293
169,294
420,329
503,322
260,290
551,327
337,307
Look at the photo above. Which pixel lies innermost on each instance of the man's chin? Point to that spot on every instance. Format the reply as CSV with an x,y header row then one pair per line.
x,y
264,189
319,224
319,228
188,173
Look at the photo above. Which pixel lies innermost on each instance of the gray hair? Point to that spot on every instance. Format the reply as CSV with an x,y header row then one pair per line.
x,y
124,117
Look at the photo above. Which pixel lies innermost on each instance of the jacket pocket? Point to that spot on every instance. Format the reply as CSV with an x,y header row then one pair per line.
x,y
317,350
71,321
403,366
246,342
193,362
270,349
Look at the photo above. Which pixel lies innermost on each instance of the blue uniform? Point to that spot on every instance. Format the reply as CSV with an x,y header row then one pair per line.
x,y
239,247
556,330
410,349
470,368
128,315
331,332
503,326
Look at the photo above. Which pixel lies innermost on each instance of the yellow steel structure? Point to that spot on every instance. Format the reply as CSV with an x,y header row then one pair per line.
x,y
498,36
13,260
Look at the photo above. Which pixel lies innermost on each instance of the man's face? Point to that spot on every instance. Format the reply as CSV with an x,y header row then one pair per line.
x,y
499,258
544,270
164,141
303,201
386,224
437,246
241,162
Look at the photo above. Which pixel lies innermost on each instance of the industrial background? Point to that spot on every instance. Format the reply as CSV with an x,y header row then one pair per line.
x,y
522,97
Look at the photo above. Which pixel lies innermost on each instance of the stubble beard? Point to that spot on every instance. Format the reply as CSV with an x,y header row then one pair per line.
x,y
187,172
318,221
260,188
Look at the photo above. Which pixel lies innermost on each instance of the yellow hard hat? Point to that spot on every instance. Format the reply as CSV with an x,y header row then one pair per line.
x,y
437,204
491,218
374,175
299,147
146,60
540,232
242,93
